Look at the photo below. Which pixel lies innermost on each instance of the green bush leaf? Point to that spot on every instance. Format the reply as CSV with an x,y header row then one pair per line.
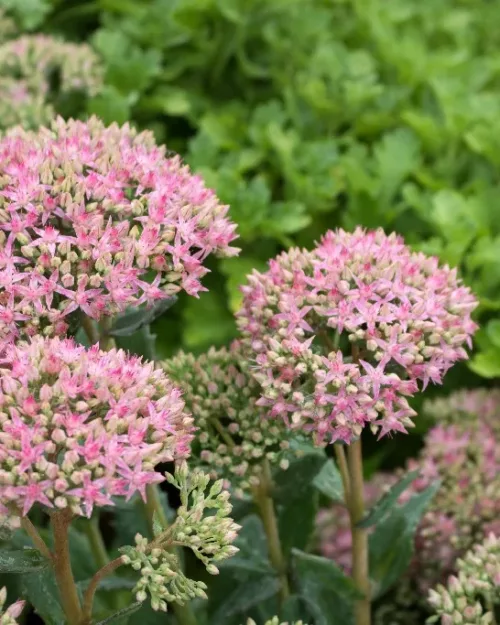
x,y
40,589
297,480
328,593
388,501
121,615
21,561
245,596
133,319
392,542
329,482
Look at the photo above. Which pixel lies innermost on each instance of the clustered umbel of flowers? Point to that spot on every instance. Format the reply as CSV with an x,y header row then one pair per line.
x,y
37,69
234,434
80,426
274,621
343,334
464,454
468,597
94,219
12,612
467,408
209,536
333,529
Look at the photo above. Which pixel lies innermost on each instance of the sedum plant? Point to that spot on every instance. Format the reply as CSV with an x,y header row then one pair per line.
x,y
38,71
341,336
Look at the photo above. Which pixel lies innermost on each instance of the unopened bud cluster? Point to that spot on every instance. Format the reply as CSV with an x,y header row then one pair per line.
x,y
95,219
343,334
28,66
9,616
161,575
209,536
462,600
78,427
235,434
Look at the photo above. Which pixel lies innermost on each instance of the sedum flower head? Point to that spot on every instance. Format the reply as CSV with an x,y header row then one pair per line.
x,y
343,334
78,427
463,453
467,408
94,219
234,433
478,578
35,70
9,616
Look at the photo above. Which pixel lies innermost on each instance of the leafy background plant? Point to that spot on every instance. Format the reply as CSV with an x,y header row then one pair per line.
x,y
306,115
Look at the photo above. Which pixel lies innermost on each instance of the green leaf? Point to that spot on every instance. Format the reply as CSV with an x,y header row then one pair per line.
x,y
21,561
328,593
296,534
30,13
40,589
329,482
110,106
391,544
133,319
296,481
292,609
487,363
388,501
141,343
245,596
493,330
121,615
396,155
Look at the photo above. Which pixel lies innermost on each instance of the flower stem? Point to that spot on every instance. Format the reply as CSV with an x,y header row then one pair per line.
x,y
106,342
88,599
90,329
265,506
360,571
62,567
183,613
38,541
93,533
344,471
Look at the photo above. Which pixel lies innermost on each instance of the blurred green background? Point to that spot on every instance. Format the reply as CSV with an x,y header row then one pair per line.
x,y
308,115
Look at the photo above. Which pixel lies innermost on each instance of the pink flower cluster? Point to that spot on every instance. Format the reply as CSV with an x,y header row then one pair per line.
x,y
94,219
464,454
343,334
27,67
80,426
